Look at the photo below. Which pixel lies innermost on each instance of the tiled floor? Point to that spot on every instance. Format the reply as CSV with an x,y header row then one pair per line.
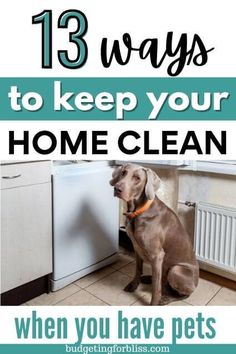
x,y
105,287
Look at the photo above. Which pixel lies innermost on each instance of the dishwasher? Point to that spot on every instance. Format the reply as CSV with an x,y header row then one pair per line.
x,y
85,220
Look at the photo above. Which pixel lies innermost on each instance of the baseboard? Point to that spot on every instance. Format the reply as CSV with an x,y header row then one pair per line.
x,y
222,281
26,292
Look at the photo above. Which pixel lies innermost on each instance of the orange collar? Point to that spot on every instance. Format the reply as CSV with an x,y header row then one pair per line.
x,y
141,210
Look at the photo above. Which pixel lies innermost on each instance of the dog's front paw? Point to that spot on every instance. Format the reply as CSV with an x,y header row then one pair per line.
x,y
132,286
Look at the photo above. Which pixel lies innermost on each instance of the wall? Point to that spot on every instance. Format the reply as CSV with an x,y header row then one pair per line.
x,y
212,188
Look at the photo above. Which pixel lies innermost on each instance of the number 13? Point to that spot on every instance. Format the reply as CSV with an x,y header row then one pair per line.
x,y
76,37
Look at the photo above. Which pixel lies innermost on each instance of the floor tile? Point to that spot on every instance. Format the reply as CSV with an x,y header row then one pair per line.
x,y
54,297
123,259
203,293
143,291
143,301
225,297
81,298
179,303
110,289
93,277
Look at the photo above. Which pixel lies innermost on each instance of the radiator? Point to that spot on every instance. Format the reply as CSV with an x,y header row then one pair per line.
x,y
215,238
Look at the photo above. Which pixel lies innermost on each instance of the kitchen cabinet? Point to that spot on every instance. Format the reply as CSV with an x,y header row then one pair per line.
x,y
26,225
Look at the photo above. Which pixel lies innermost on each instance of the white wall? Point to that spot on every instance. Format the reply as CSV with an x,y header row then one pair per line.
x,y
212,188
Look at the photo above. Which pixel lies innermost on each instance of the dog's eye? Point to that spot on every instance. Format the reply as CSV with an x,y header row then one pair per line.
x,y
123,173
136,178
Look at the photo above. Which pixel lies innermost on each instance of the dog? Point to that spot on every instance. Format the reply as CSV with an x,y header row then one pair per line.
x,y
157,235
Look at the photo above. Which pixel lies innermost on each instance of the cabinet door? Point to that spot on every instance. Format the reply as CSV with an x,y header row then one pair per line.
x,y
85,220
26,252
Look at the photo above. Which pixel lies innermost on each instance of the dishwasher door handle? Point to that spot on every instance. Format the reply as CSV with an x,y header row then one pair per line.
x,y
11,177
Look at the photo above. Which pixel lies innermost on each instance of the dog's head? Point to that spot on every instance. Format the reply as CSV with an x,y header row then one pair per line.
x,y
130,181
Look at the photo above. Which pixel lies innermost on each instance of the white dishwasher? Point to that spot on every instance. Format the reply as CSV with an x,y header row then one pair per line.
x,y
85,220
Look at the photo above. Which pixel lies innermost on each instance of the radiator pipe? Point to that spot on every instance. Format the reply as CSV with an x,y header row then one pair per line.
x,y
187,203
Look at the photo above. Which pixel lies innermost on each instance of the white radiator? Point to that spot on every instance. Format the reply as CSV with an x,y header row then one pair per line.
x,y
215,238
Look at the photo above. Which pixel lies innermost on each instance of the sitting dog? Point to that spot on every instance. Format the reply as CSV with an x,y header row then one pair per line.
x,y
157,235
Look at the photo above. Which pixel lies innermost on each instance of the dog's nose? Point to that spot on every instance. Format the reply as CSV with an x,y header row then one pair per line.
x,y
118,189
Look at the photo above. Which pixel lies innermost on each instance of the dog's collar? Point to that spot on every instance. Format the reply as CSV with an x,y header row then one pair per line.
x,y
141,210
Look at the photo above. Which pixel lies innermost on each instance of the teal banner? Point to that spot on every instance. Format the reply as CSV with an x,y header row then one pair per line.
x,y
119,348
118,99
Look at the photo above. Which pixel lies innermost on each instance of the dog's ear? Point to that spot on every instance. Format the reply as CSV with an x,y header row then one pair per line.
x,y
115,175
152,184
